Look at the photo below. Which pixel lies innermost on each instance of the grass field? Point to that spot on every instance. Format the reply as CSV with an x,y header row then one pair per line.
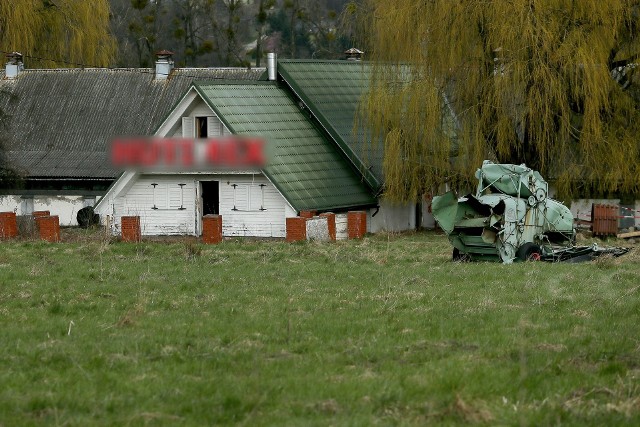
x,y
381,331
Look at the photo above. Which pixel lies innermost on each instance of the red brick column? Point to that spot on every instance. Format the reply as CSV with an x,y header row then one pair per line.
x,y
308,214
212,229
8,225
130,226
296,229
49,228
36,214
331,223
356,224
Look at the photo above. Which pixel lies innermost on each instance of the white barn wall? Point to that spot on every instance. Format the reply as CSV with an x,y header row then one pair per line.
x,y
248,210
253,217
65,207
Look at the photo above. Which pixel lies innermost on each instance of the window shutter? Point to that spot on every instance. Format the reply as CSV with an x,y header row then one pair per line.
x,y
214,126
188,127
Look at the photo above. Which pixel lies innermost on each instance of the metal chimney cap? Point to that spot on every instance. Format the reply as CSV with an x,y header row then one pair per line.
x,y
353,54
164,54
14,57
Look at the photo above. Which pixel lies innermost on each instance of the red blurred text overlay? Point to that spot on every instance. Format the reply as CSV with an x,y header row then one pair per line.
x,y
183,154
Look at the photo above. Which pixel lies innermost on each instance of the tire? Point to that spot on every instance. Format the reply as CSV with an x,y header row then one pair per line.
x,y
529,252
460,256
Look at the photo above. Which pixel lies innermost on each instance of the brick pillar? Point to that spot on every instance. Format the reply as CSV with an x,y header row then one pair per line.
x,y
356,224
212,229
36,214
130,226
296,229
49,228
331,222
8,225
308,214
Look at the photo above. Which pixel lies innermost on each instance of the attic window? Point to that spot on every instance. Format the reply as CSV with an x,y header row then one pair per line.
x,y
201,127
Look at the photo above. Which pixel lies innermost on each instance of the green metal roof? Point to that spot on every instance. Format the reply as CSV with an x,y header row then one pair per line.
x,y
332,90
304,165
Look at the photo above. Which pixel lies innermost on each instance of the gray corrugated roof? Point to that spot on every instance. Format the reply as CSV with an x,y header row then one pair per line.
x,y
61,121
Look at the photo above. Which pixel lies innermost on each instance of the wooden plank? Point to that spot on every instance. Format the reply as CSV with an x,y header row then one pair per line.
x,y
628,235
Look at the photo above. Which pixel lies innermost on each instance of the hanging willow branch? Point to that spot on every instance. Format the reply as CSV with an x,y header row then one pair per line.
x,y
62,32
549,83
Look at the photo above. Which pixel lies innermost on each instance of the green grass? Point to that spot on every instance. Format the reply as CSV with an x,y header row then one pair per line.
x,y
381,331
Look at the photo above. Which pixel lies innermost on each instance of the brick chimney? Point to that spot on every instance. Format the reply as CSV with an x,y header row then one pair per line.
x,y
164,64
14,65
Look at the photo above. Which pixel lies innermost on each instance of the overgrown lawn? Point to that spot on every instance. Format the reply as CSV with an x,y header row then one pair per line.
x,y
381,331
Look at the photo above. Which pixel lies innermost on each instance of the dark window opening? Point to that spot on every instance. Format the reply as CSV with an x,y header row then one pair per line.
x,y
201,127
210,197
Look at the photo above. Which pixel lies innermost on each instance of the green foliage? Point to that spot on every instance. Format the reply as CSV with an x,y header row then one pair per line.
x,y
381,331
551,83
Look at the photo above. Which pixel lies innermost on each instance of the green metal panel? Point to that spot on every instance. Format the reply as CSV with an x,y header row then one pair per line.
x,y
332,91
306,167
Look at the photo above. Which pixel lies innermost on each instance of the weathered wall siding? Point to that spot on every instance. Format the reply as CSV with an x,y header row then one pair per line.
x,y
201,109
10,204
247,210
248,219
289,212
65,207
391,217
167,219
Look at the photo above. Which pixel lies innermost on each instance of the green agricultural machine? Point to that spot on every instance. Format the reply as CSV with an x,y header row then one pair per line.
x,y
510,218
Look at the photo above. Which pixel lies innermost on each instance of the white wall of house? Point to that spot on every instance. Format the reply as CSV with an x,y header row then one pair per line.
x,y
249,204
391,217
65,207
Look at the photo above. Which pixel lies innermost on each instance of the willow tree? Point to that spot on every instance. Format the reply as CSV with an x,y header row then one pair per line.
x,y
549,83
58,33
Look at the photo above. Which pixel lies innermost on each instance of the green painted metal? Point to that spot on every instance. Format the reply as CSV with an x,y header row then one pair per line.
x,y
508,218
305,166
332,90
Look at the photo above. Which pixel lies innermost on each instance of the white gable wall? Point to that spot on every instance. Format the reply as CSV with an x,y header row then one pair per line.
x,y
249,204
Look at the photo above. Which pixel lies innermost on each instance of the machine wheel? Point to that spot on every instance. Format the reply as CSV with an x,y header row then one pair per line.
x,y
529,252
460,256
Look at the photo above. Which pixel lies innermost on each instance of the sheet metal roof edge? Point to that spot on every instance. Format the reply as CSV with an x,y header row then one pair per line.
x,y
354,159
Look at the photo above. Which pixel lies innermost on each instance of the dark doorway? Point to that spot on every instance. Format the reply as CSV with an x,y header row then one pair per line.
x,y
210,197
